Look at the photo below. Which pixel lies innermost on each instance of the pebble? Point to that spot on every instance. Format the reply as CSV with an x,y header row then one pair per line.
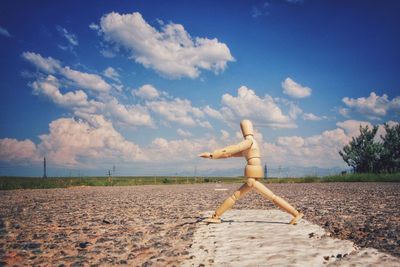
x,y
83,244
106,221
31,245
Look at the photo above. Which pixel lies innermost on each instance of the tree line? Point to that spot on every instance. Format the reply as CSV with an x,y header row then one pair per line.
x,y
365,153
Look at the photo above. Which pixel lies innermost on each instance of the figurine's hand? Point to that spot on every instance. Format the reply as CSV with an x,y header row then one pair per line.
x,y
206,155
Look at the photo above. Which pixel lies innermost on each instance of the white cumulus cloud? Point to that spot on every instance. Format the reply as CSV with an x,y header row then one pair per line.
x,y
183,133
147,92
311,117
171,51
80,104
94,26
373,106
48,65
76,142
261,110
321,150
82,79
50,88
352,127
292,141
86,80
213,113
132,115
14,151
178,110
112,74
296,90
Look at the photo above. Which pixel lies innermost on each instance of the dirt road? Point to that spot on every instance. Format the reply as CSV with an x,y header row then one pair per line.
x,y
154,225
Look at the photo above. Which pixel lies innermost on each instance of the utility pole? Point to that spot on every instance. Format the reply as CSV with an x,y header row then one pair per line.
x,y
265,171
195,173
44,168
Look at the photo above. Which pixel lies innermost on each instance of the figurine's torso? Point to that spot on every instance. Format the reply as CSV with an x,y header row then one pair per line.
x,y
253,168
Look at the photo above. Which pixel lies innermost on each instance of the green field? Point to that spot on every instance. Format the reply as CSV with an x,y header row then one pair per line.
x,y
8,183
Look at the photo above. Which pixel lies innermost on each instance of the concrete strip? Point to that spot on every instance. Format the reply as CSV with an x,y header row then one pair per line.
x,y
264,238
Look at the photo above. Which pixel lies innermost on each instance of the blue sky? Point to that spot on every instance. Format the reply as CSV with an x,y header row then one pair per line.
x,y
147,85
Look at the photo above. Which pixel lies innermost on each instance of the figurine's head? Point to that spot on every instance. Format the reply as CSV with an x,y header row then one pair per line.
x,y
247,128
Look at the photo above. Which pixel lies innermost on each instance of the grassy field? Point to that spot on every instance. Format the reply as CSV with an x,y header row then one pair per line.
x,y
8,183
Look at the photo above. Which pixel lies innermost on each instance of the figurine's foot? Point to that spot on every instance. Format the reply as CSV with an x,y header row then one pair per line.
x,y
212,220
296,219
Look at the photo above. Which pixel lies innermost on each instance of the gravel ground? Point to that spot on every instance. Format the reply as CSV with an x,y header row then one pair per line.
x,y
154,225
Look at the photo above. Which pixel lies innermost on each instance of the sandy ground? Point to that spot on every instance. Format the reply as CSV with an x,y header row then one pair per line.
x,y
264,238
155,225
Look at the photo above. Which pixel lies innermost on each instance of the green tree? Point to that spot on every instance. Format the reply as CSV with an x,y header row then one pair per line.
x,y
390,156
363,152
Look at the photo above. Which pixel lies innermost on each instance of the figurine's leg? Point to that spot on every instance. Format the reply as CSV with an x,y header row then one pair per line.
x,y
228,203
281,203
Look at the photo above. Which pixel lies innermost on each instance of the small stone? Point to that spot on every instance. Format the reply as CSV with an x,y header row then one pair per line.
x,y
158,245
52,246
31,245
36,251
147,263
311,235
83,244
339,256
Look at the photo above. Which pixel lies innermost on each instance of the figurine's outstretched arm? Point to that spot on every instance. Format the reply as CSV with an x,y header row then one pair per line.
x,y
229,151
